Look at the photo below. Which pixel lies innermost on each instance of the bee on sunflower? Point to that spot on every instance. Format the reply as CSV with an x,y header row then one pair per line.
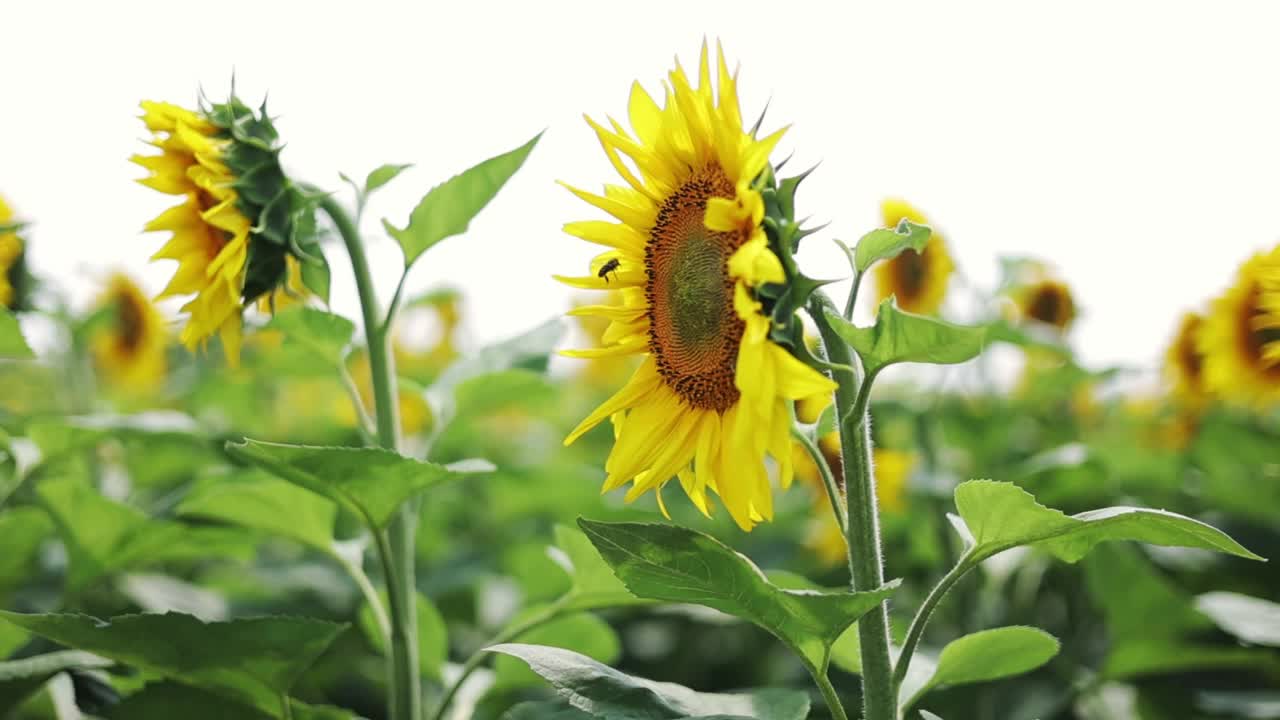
x,y
917,279
14,281
702,247
241,219
130,348
1240,340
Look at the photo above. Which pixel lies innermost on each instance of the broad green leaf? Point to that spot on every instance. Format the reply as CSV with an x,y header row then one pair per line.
x,y
12,637
1147,593
20,678
262,502
926,715
666,562
104,537
531,347
989,655
449,207
158,701
1163,657
604,692
70,434
433,635
885,244
12,344
899,336
23,530
252,660
546,711
594,584
580,632
382,175
1251,619
500,390
323,333
370,481
1000,516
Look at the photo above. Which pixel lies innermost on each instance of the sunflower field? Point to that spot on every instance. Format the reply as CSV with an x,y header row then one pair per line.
x,y
712,490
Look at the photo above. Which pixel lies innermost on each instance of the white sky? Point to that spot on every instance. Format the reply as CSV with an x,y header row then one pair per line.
x,y
1134,145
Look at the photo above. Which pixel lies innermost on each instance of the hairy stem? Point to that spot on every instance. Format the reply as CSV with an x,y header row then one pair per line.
x,y
922,617
879,698
829,694
834,494
398,544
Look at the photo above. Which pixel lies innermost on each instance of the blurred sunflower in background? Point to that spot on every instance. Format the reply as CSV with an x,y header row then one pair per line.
x,y
917,279
240,218
1184,362
12,254
1240,339
1046,301
710,398
130,348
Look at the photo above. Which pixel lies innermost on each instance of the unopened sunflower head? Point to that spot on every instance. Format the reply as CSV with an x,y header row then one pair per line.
x,y
918,280
240,220
15,283
701,255
1240,340
129,348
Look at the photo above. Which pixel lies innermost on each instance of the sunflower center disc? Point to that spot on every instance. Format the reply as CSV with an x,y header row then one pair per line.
x,y
693,330
131,322
1049,306
909,270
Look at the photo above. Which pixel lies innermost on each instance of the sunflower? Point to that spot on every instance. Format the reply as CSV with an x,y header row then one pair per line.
x,y
1184,362
1048,302
11,255
710,399
240,218
1240,340
130,350
917,279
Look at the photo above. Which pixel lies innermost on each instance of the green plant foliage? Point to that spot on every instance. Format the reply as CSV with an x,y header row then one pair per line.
x,y
258,501
989,655
449,207
23,530
157,700
324,334
1000,516
594,583
20,678
382,175
602,691
900,336
885,244
254,661
433,635
12,344
671,563
368,481
1253,620
580,632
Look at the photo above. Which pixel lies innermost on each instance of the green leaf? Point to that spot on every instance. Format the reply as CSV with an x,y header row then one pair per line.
x,y
103,537
1251,619
23,530
546,711
158,700
900,336
12,344
315,274
666,562
580,632
604,692
12,637
262,502
491,392
382,175
320,332
989,655
252,660
1000,516
884,244
449,207
594,584
370,481
433,635
20,678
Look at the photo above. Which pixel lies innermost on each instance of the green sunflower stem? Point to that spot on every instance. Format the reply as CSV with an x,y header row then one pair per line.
x,y
398,545
852,392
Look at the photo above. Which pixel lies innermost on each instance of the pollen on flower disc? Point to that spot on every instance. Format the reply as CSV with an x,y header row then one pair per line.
x,y
694,332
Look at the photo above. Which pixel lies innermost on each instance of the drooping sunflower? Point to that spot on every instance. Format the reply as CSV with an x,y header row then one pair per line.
x,y
1184,362
917,279
240,218
12,271
1240,340
130,348
689,253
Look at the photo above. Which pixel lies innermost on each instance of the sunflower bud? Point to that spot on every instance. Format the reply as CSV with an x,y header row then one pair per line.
x,y
241,219
15,282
